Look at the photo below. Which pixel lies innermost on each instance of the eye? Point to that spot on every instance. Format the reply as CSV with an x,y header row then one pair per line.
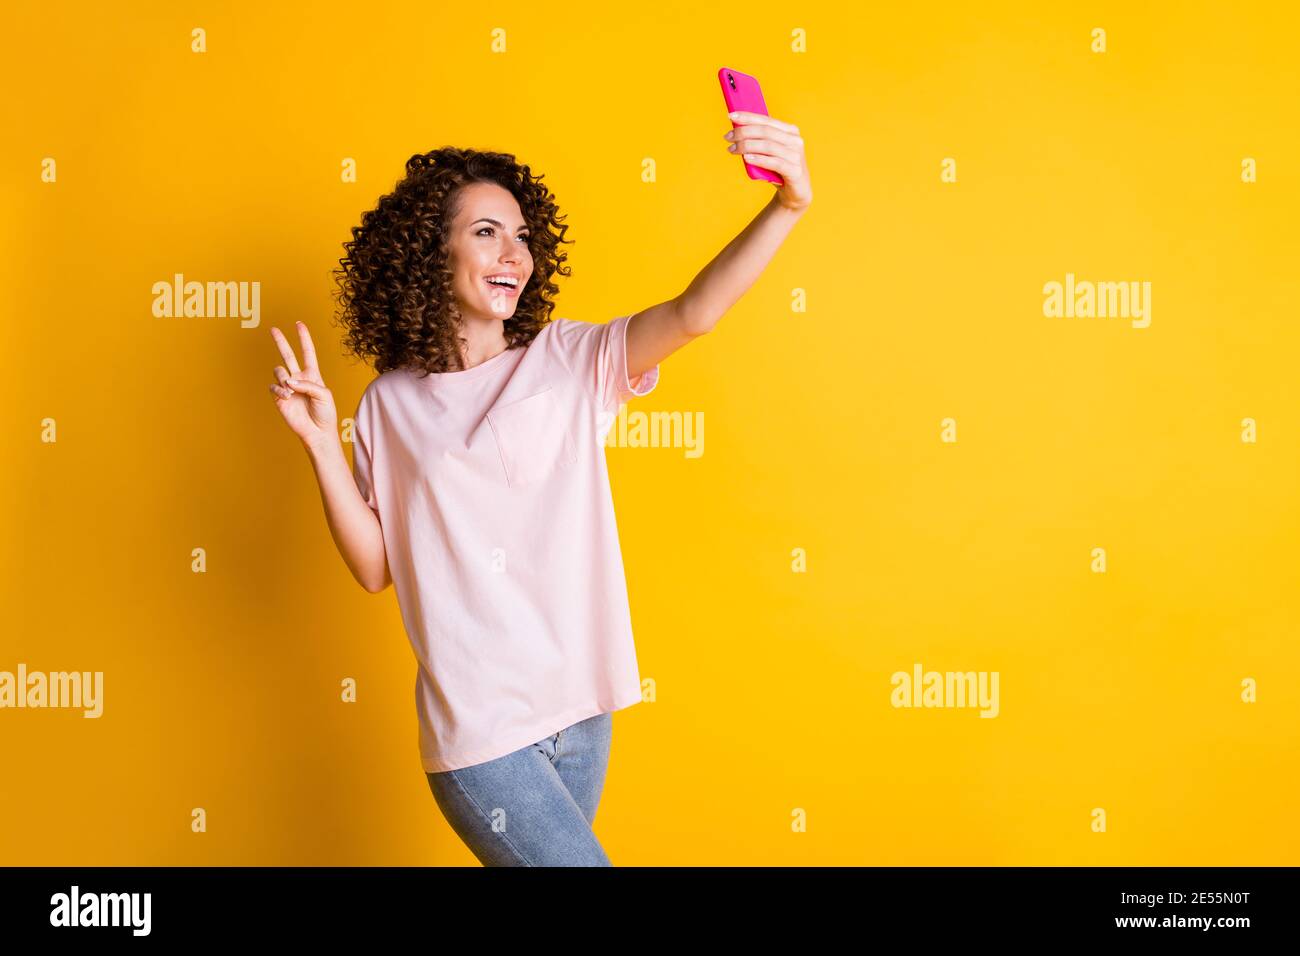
x,y
524,237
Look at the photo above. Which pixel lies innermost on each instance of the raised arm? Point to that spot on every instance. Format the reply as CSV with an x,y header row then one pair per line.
x,y
655,333
308,408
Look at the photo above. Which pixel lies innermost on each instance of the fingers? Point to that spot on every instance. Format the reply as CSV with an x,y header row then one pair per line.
x,y
293,386
757,144
308,349
758,119
286,351
771,156
307,388
767,141
766,134
291,383
281,389
285,387
775,163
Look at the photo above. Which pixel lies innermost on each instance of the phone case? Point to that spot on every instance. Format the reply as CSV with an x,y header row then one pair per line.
x,y
742,92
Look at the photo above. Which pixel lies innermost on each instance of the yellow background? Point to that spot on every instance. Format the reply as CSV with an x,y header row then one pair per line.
x,y
822,429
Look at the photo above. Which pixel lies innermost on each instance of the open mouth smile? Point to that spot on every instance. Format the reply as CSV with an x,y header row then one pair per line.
x,y
504,284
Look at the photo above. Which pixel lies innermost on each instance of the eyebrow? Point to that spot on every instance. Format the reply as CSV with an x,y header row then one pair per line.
x,y
494,222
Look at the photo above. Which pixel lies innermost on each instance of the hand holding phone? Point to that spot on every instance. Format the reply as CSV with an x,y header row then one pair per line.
x,y
742,93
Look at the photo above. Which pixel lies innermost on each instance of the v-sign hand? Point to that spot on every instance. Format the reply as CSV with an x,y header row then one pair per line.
x,y
300,395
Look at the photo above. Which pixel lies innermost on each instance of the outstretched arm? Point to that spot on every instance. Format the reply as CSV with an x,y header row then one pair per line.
x,y
655,333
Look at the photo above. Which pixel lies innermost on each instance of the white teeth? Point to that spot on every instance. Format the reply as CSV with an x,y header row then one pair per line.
x,y
502,280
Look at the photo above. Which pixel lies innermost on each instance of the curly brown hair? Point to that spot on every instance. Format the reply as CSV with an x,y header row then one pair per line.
x,y
395,285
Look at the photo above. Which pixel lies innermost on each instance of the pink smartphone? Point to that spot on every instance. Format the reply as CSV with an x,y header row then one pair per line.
x,y
742,92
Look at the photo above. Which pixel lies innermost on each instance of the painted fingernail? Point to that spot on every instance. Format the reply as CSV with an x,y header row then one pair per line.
x,y
731,148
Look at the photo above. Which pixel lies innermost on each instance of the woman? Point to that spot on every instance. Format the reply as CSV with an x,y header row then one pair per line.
x,y
479,487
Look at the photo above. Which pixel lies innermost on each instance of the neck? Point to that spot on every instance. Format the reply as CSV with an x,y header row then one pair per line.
x,y
484,338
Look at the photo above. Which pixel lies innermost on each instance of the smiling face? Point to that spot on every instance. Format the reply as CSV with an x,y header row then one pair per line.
x,y
489,237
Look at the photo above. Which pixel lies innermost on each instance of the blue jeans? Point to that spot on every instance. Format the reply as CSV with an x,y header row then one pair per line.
x,y
533,807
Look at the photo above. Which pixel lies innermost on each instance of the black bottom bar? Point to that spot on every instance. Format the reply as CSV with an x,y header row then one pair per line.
x,y
976,905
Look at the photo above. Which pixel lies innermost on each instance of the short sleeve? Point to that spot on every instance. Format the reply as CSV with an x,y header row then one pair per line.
x,y
362,460
597,356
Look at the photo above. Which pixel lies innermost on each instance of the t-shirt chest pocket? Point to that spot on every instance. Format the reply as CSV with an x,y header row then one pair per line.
x,y
533,437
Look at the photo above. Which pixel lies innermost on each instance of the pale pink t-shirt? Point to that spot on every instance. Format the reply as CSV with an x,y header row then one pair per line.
x,y
493,494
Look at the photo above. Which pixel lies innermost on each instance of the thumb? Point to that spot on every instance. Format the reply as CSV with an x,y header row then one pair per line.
x,y
307,388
